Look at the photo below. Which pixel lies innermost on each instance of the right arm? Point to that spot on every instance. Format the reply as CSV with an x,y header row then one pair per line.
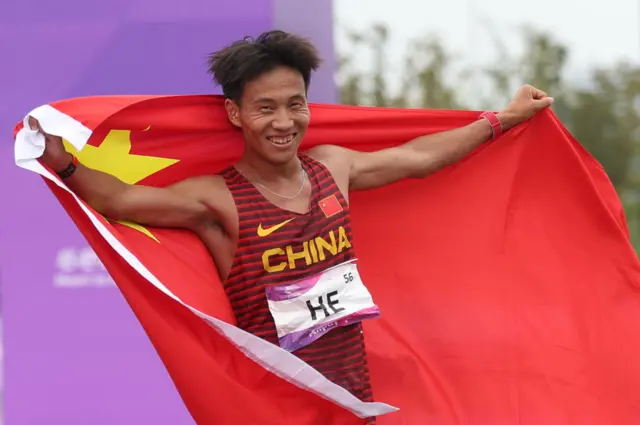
x,y
179,205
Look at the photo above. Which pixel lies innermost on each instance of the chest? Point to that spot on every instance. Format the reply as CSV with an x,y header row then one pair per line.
x,y
266,234
281,240
275,244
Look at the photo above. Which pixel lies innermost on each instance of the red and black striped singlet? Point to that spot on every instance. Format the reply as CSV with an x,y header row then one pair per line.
x,y
290,253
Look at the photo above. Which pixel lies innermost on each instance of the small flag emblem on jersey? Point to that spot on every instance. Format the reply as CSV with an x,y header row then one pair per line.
x,y
330,206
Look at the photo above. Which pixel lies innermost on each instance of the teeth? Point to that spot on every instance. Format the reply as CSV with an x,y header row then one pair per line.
x,y
281,140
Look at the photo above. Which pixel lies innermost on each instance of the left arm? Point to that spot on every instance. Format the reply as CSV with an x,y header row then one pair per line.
x,y
427,154
417,158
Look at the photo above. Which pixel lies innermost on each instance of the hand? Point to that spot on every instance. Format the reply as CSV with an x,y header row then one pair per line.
x,y
527,101
55,155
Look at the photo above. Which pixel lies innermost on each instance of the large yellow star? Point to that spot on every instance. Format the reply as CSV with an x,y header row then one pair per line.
x,y
113,156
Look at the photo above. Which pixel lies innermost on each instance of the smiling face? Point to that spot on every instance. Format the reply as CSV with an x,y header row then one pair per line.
x,y
273,115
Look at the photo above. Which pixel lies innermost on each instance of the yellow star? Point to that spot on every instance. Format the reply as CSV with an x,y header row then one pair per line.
x,y
113,156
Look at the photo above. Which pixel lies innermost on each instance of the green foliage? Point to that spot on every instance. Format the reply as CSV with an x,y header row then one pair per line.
x,y
602,113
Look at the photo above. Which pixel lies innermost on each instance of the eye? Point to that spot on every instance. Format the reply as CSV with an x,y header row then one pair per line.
x,y
266,108
297,105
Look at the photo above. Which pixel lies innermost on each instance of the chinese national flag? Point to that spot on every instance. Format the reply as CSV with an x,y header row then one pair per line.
x,y
330,206
508,287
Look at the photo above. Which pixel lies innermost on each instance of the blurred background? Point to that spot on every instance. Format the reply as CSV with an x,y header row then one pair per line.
x,y
72,352
474,54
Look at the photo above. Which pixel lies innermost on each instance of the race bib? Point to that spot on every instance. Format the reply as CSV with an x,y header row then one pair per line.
x,y
303,311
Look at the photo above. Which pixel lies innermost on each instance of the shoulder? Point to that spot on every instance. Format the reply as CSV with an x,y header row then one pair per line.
x,y
337,160
331,156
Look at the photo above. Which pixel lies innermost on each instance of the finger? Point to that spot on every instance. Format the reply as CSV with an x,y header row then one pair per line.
x,y
34,124
537,93
544,102
541,95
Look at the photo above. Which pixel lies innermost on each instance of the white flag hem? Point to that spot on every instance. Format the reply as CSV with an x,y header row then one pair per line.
x,y
30,146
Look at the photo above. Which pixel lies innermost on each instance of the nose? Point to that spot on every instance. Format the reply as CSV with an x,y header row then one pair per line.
x,y
282,120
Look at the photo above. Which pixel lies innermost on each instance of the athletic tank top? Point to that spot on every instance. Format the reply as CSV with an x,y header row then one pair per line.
x,y
272,253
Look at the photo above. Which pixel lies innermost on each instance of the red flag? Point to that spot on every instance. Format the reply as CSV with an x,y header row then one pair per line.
x,y
507,283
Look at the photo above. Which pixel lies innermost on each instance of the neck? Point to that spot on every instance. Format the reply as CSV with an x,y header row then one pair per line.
x,y
266,171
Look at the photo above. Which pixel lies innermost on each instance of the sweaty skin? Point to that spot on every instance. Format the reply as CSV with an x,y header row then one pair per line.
x,y
273,115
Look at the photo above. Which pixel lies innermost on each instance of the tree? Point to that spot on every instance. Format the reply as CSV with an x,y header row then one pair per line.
x,y
605,121
351,91
425,70
428,65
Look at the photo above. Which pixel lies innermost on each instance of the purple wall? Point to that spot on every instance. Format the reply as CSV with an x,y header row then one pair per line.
x,y
313,19
74,352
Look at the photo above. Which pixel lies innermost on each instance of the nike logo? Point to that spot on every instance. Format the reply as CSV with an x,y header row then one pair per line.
x,y
262,232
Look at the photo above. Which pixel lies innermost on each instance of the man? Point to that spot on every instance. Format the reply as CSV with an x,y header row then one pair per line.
x,y
277,223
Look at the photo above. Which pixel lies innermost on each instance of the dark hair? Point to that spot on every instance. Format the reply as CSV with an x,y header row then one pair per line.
x,y
245,60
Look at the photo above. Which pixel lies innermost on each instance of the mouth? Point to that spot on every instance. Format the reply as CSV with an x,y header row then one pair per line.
x,y
282,141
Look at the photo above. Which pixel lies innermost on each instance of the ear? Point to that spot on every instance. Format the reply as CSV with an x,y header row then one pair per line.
x,y
233,112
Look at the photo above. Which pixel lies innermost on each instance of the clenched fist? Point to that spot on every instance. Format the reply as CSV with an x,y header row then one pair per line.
x,y
55,155
527,101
